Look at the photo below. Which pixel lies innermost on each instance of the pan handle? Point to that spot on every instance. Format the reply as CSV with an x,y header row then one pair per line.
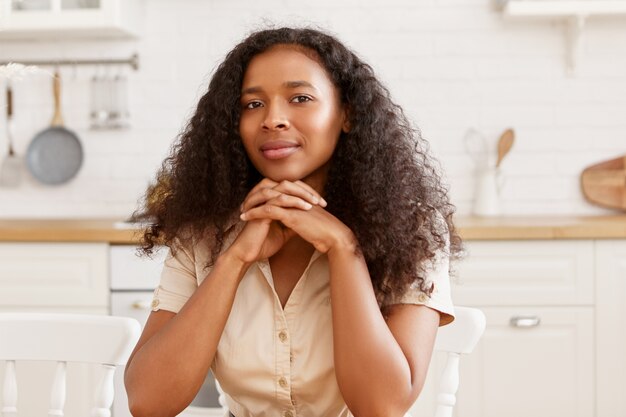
x,y
9,101
57,119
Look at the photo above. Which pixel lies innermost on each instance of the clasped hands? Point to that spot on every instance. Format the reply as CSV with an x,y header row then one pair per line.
x,y
275,212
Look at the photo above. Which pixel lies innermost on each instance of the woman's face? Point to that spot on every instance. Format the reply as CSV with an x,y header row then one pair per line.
x,y
291,116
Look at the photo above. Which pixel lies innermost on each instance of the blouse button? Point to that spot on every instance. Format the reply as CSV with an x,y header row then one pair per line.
x,y
282,382
282,336
288,414
155,303
422,298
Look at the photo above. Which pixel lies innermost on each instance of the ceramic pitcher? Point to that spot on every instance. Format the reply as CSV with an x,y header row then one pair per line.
x,y
489,183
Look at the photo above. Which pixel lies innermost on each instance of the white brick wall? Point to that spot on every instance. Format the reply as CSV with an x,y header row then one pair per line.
x,y
451,64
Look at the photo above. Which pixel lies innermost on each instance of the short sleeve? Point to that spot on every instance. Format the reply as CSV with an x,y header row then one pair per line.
x,y
438,275
178,281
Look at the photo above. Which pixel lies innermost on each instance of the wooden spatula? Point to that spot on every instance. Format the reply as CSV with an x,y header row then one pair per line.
x,y
505,143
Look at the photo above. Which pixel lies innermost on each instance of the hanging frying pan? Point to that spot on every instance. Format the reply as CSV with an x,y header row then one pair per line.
x,y
55,154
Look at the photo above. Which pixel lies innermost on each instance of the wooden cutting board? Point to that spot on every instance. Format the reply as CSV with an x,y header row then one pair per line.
x,y
604,184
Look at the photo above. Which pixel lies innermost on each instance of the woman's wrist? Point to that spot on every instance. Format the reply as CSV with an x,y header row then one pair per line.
x,y
232,262
346,243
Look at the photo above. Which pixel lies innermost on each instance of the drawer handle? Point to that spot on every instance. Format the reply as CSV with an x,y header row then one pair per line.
x,y
141,305
525,321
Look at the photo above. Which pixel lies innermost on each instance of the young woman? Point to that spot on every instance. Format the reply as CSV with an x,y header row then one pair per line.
x,y
310,237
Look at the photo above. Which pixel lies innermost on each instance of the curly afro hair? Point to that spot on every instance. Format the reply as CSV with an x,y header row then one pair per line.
x,y
381,183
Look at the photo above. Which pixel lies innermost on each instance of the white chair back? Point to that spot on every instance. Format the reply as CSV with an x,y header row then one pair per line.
x,y
459,337
104,340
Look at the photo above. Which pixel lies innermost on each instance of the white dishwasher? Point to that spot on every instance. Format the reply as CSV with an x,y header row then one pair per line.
x,y
133,280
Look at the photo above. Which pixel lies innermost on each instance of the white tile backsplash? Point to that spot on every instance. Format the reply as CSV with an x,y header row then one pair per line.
x,y
451,64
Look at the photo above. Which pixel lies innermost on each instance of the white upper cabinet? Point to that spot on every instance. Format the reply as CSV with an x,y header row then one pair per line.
x,y
45,19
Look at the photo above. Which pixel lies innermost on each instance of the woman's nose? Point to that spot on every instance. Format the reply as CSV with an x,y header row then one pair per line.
x,y
275,118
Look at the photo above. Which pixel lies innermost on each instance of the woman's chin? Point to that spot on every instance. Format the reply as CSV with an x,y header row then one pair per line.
x,y
283,176
315,179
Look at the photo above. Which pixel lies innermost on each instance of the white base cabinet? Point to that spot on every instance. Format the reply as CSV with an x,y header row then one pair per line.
x,y
61,278
543,371
54,276
554,342
536,357
610,337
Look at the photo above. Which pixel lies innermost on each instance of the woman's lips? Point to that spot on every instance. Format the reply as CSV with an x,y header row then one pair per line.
x,y
278,149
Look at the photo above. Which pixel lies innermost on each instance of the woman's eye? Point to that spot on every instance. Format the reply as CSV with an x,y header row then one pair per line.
x,y
301,99
252,105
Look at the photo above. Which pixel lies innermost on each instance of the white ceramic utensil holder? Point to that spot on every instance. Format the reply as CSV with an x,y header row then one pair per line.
x,y
489,183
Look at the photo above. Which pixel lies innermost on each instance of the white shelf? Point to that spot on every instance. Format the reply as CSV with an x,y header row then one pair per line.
x,y
563,9
575,13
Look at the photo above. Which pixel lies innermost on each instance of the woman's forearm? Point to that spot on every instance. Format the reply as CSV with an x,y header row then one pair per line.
x,y
165,374
372,372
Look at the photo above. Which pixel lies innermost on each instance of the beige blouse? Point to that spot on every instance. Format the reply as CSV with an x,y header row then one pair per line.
x,y
272,361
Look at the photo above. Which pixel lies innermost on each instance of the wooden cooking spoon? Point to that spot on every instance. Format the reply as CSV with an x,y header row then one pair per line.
x,y
504,144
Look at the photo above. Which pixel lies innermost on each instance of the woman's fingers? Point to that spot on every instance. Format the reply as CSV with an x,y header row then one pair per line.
x,y
284,201
266,211
264,183
312,191
302,190
259,197
267,190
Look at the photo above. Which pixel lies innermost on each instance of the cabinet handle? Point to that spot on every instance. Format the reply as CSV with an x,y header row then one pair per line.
x,y
141,305
525,321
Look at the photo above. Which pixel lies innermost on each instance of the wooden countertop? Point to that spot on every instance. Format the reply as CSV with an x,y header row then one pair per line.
x,y
68,230
471,228
542,227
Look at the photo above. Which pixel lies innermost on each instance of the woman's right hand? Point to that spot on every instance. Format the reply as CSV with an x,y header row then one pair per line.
x,y
260,239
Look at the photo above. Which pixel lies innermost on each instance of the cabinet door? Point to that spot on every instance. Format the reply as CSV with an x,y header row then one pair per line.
x,y
131,272
525,273
59,276
541,371
611,327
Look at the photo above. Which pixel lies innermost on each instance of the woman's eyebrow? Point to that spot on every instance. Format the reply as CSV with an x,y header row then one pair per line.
x,y
296,84
286,84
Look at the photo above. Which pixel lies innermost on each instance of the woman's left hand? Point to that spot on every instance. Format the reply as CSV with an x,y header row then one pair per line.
x,y
316,225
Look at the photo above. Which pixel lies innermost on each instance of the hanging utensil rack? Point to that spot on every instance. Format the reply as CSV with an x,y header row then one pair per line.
x,y
133,62
109,111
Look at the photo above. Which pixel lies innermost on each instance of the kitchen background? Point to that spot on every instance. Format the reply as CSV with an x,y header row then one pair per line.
x,y
452,65
551,285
